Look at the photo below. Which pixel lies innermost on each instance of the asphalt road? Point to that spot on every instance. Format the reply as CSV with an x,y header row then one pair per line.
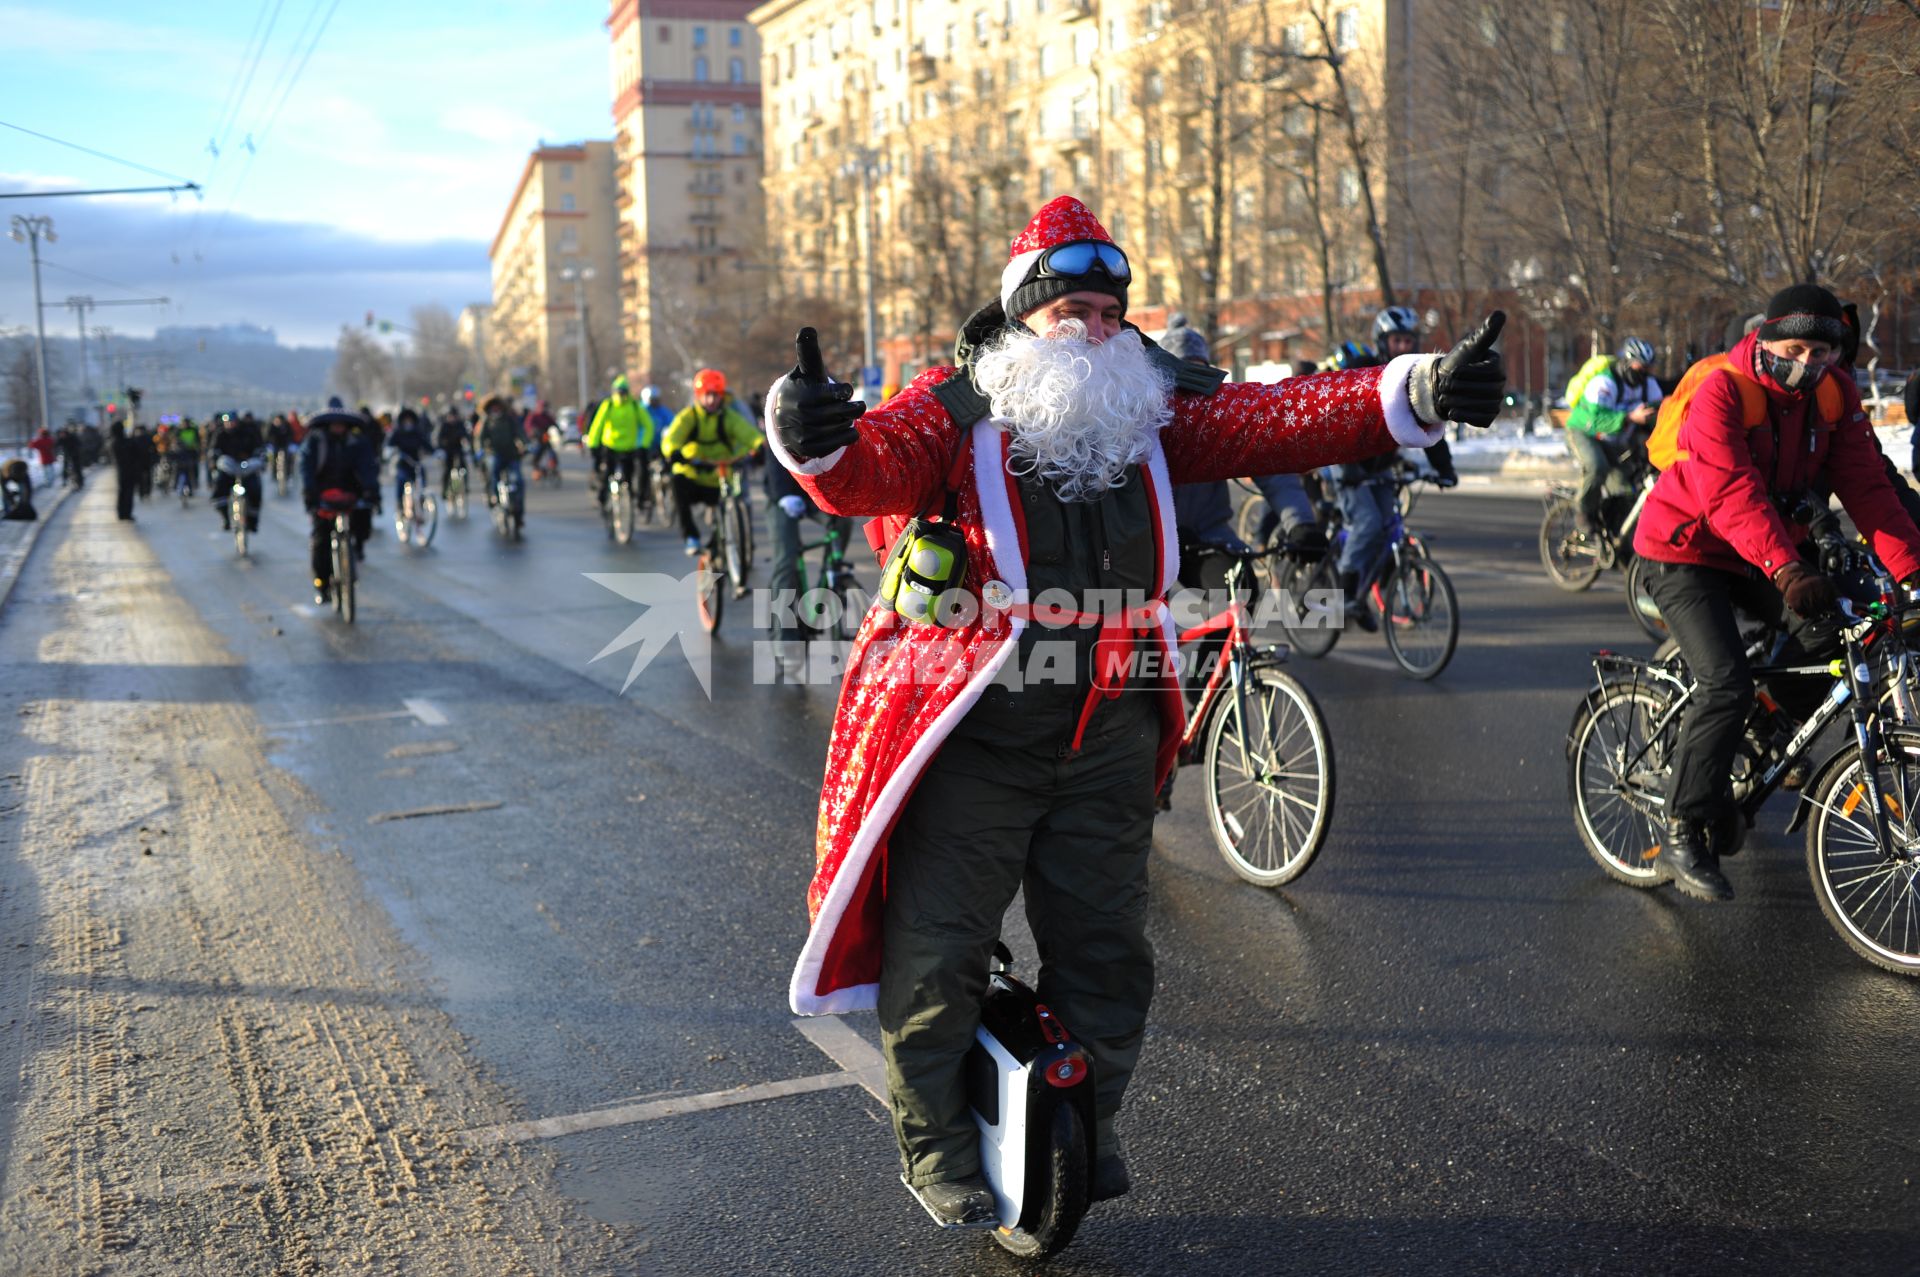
x,y
1452,1046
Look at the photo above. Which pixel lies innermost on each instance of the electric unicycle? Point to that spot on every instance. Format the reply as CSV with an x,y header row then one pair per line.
x,y
1030,1085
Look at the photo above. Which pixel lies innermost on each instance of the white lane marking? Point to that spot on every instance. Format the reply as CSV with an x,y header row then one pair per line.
x,y
847,1049
426,712
627,1114
345,718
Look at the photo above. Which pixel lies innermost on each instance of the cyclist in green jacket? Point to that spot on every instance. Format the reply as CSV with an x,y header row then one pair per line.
x,y
621,436
707,432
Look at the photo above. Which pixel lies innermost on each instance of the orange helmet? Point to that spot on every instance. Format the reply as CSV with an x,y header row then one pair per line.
x,y
709,380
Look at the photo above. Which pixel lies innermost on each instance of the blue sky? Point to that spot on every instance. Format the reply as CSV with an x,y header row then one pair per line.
x,y
376,180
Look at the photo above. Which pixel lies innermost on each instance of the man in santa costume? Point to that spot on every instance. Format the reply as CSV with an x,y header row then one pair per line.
x,y
992,748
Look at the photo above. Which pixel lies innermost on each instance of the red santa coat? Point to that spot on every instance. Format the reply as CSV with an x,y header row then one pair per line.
x,y
907,685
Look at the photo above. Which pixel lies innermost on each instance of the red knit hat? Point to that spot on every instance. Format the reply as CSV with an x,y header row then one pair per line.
x,y
1063,220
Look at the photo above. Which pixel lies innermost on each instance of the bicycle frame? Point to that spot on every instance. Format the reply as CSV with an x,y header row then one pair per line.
x,y
1852,692
1236,660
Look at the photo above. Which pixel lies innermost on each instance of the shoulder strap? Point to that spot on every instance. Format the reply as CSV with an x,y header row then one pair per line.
x,y
1194,379
963,400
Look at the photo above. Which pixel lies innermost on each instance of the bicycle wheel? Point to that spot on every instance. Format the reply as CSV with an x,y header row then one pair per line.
x,y
1269,779
709,593
1617,810
619,511
457,495
1064,1199
344,567
1573,562
1246,524
1871,900
739,545
1646,613
1310,631
426,520
237,515
1421,618
853,606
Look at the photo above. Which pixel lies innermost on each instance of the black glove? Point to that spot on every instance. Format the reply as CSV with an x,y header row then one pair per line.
x,y
1807,592
812,414
1447,479
311,500
1467,384
1306,542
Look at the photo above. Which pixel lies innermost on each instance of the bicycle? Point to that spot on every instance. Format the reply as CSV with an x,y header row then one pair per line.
x,y
1860,808
834,605
337,506
417,516
508,514
457,489
282,469
1419,612
1264,742
663,510
729,547
240,472
1575,560
617,506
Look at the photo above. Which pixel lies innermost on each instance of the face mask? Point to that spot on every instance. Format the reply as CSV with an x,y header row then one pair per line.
x,y
1633,377
1790,373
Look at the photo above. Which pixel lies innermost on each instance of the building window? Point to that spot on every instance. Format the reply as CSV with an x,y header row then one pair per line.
x,y
1557,33
733,37
699,37
700,69
566,172
1346,30
739,144
566,203
1046,61
980,26
1294,39
739,113
1085,41
736,71
1489,26
666,35
1349,188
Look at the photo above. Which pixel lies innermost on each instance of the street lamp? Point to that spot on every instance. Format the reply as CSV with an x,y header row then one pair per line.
x,y
865,160
28,230
579,275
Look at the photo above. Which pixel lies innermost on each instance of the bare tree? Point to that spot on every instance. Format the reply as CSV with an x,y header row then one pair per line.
x,y
435,360
363,369
21,371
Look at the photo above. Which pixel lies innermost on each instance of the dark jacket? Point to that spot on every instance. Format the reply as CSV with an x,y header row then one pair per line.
x,y
239,440
349,463
500,435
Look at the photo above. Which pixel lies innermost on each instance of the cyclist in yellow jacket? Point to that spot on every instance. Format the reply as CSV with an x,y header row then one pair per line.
x,y
620,437
705,433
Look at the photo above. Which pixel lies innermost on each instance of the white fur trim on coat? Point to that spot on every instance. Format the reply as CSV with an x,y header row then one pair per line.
x,y
1407,430
1003,546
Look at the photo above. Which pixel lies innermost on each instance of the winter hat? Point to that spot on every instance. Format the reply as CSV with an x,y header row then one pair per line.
x,y
1183,342
1064,220
1806,311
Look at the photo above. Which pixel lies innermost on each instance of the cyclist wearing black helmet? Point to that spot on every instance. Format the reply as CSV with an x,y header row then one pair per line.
x,y
1616,407
1366,504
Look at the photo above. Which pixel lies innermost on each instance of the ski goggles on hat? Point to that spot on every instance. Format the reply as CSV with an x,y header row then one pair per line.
x,y
1071,261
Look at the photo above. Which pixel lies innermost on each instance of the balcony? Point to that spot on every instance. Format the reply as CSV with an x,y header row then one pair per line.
x,y
1076,9
922,67
706,186
705,219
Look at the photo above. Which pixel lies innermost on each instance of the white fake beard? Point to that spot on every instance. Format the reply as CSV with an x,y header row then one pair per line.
x,y
1080,413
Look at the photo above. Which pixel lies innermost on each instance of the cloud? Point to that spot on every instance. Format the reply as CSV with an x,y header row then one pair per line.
x,y
301,278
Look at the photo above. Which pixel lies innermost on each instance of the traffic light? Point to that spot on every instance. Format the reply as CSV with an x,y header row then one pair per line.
x,y
469,395
369,319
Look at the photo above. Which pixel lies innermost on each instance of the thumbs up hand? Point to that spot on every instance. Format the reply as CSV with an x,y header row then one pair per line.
x,y
812,414
1467,384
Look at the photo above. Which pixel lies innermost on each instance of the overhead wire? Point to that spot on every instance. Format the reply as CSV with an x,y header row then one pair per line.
x,y
48,137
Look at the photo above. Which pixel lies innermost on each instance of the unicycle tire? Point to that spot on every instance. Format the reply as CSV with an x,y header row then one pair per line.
x,y
1054,1219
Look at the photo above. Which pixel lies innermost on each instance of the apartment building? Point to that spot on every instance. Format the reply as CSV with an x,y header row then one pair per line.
x,y
687,142
1211,136
554,257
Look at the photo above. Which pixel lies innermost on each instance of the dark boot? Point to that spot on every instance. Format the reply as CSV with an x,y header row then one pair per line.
x,y
1689,862
960,1203
1110,1178
1357,613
